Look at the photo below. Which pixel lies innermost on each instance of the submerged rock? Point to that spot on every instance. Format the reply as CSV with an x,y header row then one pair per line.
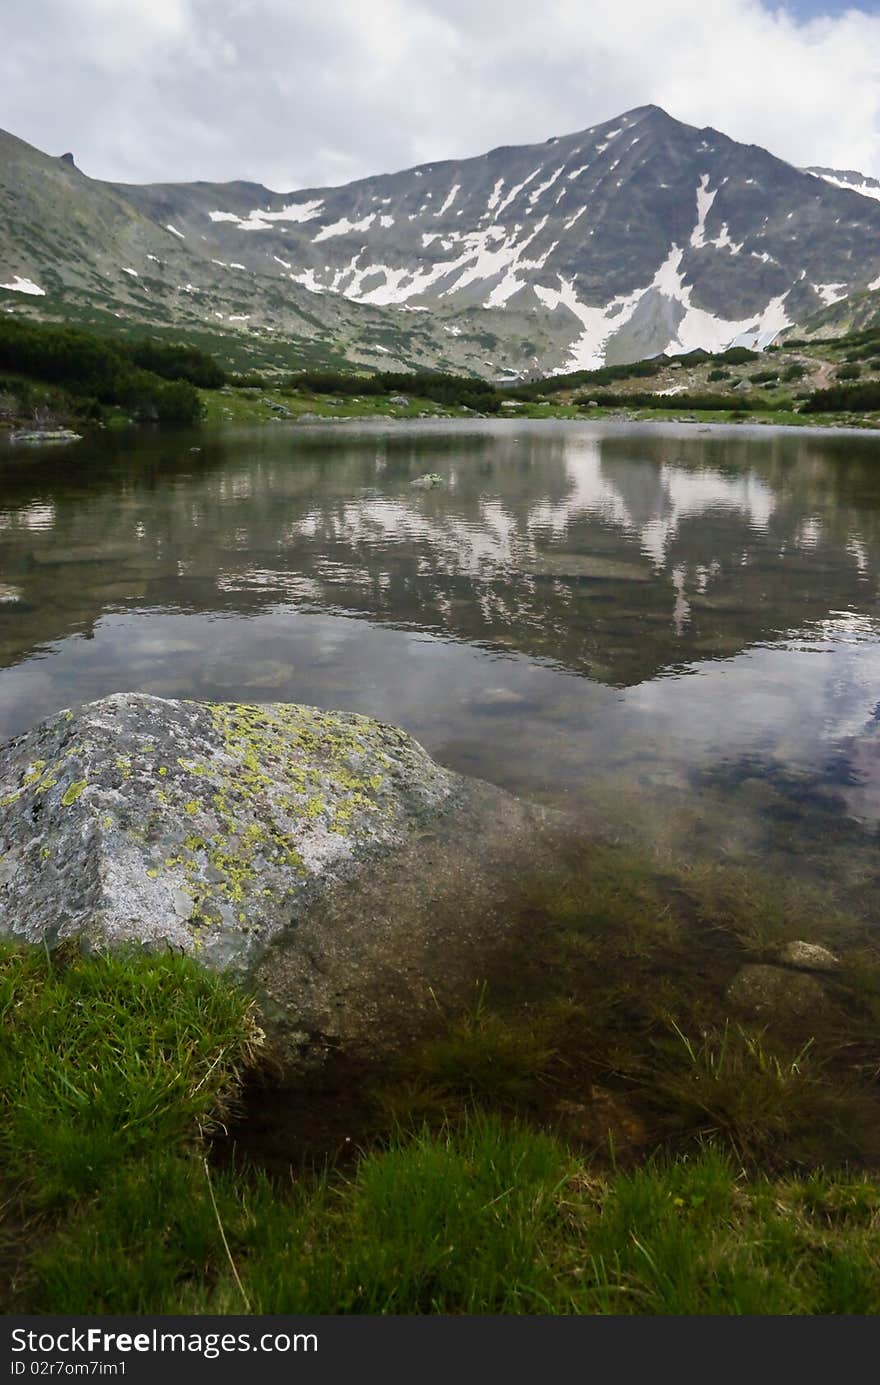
x,y
808,956
602,1118
322,856
775,993
427,482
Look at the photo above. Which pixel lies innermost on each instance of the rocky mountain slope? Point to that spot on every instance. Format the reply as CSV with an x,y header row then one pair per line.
x,y
857,312
637,236
76,248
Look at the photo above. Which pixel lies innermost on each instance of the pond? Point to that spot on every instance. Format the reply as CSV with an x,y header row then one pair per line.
x,y
670,631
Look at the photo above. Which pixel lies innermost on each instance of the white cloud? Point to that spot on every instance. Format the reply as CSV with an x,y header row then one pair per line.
x,y
314,93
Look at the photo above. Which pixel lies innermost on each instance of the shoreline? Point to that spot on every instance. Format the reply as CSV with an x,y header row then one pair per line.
x,y
715,425
280,407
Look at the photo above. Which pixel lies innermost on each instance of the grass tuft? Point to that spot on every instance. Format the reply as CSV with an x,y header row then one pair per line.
x,y
103,1058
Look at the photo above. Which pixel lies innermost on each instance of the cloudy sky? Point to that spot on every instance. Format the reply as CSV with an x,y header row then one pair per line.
x,y
299,93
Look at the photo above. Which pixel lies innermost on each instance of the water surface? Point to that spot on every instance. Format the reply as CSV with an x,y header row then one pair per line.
x,y
669,631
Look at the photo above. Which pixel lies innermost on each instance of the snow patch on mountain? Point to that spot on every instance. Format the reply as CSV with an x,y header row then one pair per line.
x,y
514,192
21,285
344,227
542,187
705,198
259,219
588,352
723,242
450,198
851,182
495,197
701,328
697,326
831,293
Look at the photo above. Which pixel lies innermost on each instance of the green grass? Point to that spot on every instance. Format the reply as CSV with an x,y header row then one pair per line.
x,y
251,406
255,406
115,1070
103,1059
485,1217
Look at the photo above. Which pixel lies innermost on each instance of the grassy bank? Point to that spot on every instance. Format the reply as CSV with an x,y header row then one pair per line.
x,y
596,1133
278,403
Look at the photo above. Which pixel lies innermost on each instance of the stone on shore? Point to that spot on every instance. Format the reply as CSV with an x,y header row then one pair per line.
x,y
322,856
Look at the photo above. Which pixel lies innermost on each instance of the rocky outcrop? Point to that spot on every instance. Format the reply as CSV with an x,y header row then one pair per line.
x,y
322,856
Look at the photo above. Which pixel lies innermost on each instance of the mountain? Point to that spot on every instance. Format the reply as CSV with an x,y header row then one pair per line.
x,y
83,250
636,236
858,312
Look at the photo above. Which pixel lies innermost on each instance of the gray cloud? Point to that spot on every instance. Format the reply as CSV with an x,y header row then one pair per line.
x,y
296,93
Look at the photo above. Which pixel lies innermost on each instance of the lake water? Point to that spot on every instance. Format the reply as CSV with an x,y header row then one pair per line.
x,y
673,632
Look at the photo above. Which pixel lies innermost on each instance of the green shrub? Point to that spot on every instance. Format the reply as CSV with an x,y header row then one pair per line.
x,y
152,380
736,355
697,401
458,390
153,400
249,380
844,398
177,362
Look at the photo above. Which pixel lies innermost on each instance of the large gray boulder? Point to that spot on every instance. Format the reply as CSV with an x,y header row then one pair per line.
x,y
322,856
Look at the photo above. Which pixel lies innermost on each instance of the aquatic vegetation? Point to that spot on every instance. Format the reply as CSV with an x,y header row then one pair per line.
x,y
480,1057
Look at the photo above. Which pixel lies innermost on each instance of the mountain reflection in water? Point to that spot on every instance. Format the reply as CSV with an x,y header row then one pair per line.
x,y
679,622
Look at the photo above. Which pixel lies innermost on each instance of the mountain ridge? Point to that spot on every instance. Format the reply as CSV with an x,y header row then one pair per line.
x,y
636,236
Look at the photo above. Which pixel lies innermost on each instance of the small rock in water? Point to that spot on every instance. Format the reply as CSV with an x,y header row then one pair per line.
x,y
427,482
45,435
775,993
500,697
809,956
